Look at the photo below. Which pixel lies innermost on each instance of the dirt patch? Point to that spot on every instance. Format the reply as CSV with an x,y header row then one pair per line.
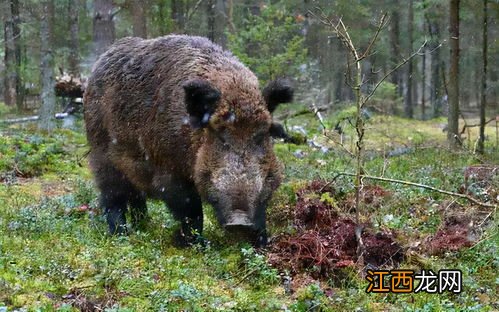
x,y
374,193
371,195
325,242
452,236
382,250
54,188
481,181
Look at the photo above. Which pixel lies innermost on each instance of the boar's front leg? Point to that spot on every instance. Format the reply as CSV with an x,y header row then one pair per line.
x,y
114,202
114,187
185,204
115,208
114,196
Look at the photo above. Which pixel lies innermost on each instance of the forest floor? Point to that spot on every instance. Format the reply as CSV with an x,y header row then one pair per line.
x,y
55,254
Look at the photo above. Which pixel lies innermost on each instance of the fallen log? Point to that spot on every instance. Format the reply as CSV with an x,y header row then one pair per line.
x,y
69,86
20,120
32,118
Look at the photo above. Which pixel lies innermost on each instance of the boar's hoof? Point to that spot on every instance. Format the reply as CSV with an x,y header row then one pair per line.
x,y
183,240
120,229
261,240
117,223
247,233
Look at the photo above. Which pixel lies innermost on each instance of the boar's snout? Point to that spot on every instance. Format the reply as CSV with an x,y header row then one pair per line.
x,y
239,221
241,227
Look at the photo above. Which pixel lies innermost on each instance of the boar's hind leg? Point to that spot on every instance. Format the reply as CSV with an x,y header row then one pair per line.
x,y
138,209
185,204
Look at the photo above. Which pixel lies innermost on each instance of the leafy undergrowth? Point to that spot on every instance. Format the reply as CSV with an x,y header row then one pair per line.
x,y
55,254
26,154
324,242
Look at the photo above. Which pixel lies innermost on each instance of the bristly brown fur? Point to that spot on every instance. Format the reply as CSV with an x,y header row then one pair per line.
x,y
145,141
134,98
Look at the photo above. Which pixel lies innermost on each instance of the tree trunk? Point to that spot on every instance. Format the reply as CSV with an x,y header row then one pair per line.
x,y
221,22
210,13
395,45
16,20
178,15
230,14
423,86
103,25
74,45
47,110
423,74
10,89
408,98
435,82
162,19
483,99
217,20
13,92
453,87
138,12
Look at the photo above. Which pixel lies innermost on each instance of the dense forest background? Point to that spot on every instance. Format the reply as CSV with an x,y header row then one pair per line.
x,y
389,160
274,38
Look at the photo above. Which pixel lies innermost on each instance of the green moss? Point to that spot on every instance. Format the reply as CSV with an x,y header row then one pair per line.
x,y
49,247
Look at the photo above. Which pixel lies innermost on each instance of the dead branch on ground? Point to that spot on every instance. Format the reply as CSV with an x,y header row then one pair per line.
x,y
428,187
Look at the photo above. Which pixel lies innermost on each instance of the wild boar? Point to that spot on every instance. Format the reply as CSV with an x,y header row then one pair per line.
x,y
179,119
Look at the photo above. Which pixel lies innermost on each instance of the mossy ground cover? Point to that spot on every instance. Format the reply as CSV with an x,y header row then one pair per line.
x,y
55,254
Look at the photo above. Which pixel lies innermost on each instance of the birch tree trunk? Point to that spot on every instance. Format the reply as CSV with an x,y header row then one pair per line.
x,y
74,45
103,25
139,21
47,110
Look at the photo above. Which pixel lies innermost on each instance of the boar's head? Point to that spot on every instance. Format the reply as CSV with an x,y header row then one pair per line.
x,y
236,170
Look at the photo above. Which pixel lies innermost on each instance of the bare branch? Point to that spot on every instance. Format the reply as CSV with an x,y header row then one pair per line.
x,y
194,9
382,23
465,126
340,144
300,113
434,49
366,99
339,29
115,12
464,196
318,114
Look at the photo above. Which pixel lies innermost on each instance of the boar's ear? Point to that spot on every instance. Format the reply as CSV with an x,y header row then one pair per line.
x,y
277,92
201,100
